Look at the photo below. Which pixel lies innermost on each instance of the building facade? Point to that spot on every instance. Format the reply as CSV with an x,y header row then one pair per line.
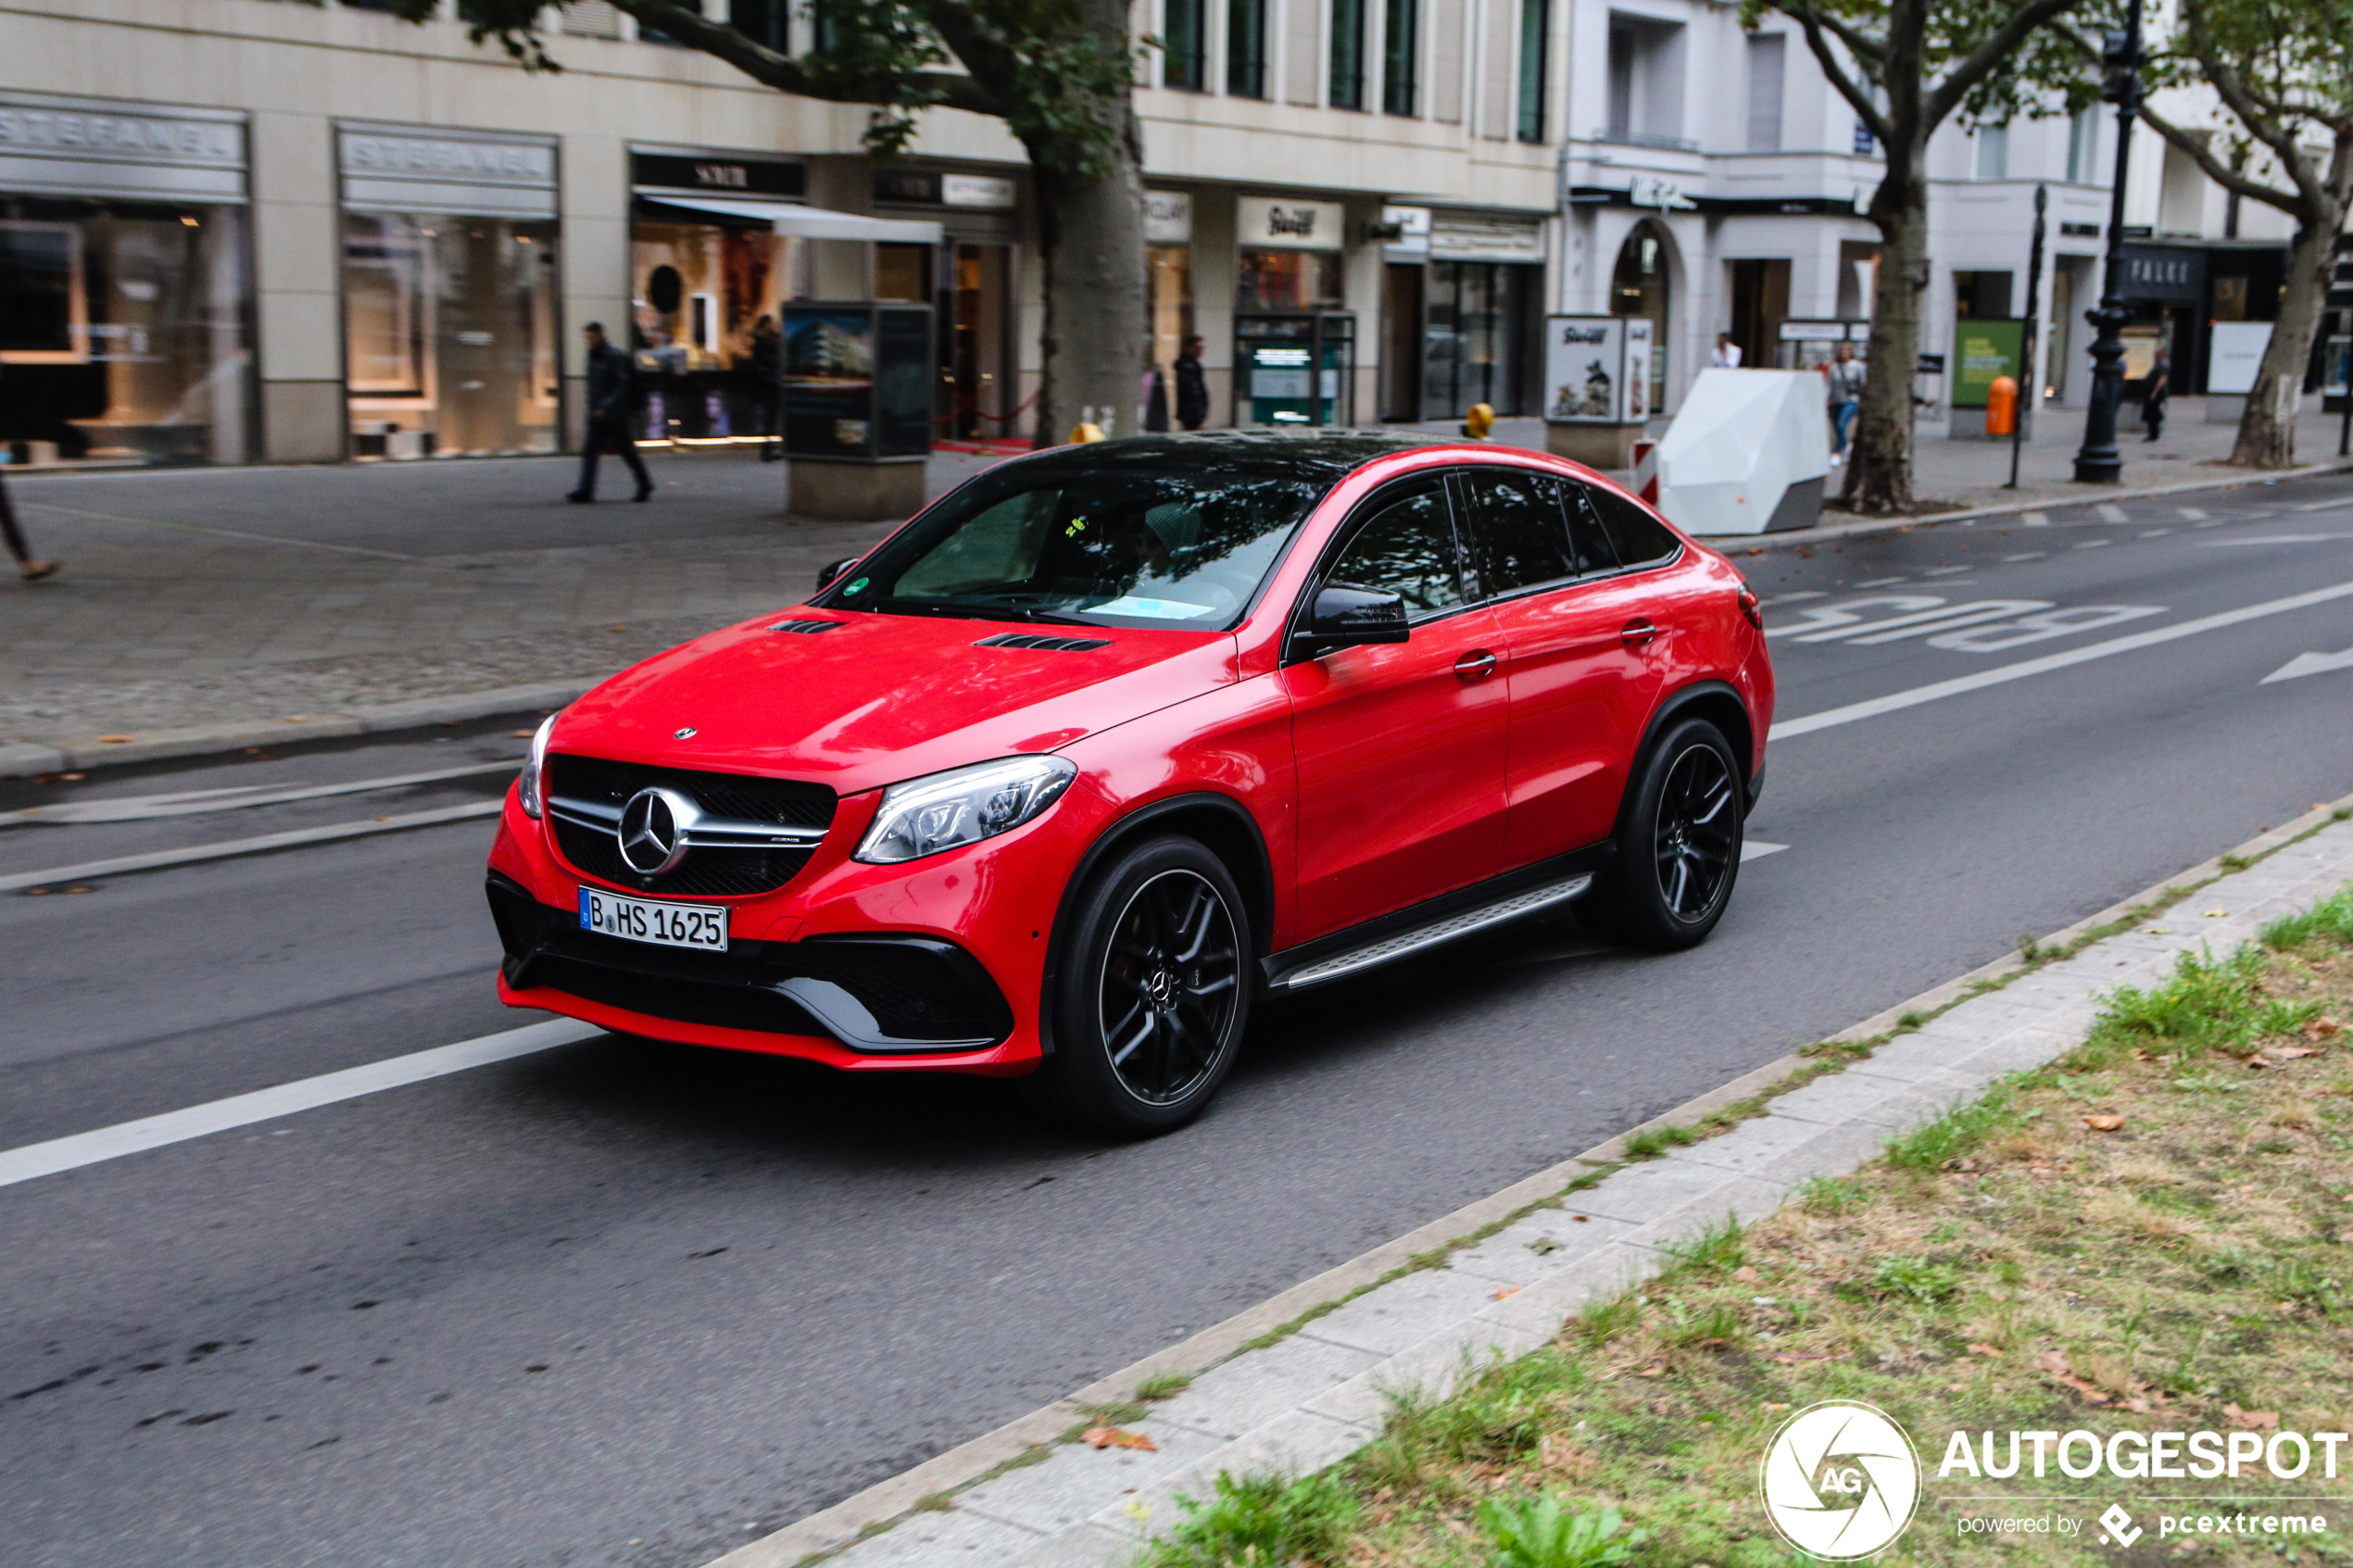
x,y
238,231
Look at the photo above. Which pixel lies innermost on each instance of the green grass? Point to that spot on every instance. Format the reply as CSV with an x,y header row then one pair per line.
x,y
1260,1520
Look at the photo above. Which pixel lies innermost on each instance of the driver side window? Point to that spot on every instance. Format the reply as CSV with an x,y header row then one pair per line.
x,y
1406,547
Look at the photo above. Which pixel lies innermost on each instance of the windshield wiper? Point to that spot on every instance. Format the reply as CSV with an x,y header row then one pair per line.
x,y
983,611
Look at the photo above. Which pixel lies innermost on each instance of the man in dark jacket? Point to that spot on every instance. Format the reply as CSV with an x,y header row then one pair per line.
x,y
612,380
2161,387
1192,387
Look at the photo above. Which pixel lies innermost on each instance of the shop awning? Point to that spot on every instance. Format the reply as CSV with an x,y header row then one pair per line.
x,y
812,222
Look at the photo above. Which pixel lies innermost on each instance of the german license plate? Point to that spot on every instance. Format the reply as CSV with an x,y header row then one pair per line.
x,y
642,920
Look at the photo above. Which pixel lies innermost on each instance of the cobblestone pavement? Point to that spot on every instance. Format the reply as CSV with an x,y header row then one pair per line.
x,y
200,597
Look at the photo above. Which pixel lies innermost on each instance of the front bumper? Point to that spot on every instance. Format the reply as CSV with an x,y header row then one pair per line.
x,y
871,993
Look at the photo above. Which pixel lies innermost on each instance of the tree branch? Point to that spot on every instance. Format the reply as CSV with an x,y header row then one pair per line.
x,y
788,75
1865,104
2242,101
2221,173
1996,47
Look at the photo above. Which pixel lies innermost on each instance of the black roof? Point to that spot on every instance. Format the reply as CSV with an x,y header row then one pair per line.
x,y
1324,454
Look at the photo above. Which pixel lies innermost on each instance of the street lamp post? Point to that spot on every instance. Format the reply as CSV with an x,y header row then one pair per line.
x,y
2098,461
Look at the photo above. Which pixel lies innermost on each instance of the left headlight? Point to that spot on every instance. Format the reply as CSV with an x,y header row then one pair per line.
x,y
527,787
925,816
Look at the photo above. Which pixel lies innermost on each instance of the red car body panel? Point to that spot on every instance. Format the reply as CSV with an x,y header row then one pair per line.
x,y
1374,777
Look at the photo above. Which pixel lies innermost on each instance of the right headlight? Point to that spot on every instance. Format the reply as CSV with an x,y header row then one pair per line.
x,y
925,816
528,790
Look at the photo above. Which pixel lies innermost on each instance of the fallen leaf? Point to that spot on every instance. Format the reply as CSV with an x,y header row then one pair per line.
x,y
1745,1273
2259,1063
1977,1349
2319,1029
2140,1055
74,778
623,627
1774,1406
2104,1123
2055,1363
1653,1370
2252,1420
1115,1438
295,719
524,735
1580,1219
2291,1053
111,740
1791,1359
2216,914
1510,1291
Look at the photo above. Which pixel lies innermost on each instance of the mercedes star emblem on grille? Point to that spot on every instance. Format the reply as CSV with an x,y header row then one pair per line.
x,y
685,731
649,832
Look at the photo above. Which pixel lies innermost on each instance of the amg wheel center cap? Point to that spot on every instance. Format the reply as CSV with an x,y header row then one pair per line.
x,y
1163,987
651,833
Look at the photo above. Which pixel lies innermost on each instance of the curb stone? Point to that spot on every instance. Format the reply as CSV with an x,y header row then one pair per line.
x,y
22,759
1305,1401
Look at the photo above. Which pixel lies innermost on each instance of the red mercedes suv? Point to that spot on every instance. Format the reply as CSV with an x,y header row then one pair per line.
x,y
1114,740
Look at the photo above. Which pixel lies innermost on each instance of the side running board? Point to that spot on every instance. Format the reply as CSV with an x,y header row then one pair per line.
x,y
1386,948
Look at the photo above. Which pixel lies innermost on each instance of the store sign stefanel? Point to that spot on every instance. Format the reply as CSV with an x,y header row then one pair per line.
x,y
1282,223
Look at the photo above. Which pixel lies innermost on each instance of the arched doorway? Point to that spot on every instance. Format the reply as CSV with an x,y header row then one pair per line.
x,y
1639,288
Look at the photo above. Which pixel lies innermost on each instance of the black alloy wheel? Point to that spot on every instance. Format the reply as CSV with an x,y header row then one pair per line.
x,y
1152,992
1678,842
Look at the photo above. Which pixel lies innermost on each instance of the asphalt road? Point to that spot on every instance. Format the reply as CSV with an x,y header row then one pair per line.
x,y
620,1302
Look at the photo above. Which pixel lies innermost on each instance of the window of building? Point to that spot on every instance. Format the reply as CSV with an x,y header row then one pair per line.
x,y
1184,37
1993,152
767,22
1170,268
1246,48
706,299
1981,297
1348,53
1639,287
1480,319
2083,146
1400,55
1287,280
1646,81
1767,61
1535,31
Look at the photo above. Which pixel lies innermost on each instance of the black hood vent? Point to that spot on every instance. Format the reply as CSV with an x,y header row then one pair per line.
x,y
807,628
1044,645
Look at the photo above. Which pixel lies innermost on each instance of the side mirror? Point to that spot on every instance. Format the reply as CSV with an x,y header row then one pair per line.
x,y
831,572
1345,616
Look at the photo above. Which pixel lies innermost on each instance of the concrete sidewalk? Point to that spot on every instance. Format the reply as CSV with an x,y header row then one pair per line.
x,y
205,609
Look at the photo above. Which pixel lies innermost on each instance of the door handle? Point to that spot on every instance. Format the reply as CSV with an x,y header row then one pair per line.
x,y
1638,632
1475,665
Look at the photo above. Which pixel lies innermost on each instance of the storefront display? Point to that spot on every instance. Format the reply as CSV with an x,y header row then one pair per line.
x,y
450,289
1295,369
708,280
125,293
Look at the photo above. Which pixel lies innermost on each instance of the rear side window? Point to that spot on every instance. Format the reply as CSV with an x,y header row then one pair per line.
x,y
1405,547
1637,538
1526,529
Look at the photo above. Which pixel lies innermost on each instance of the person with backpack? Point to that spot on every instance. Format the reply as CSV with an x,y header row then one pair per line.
x,y
613,379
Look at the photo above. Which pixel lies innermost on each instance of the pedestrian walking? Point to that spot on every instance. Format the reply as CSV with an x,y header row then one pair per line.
x,y
611,379
1192,387
31,570
1156,401
767,381
1728,352
1846,376
2161,387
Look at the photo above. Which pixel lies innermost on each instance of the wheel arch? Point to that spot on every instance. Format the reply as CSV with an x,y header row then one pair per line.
x,y
1718,702
1220,824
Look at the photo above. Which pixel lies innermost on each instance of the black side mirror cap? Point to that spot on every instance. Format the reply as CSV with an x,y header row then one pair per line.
x,y
1346,616
832,572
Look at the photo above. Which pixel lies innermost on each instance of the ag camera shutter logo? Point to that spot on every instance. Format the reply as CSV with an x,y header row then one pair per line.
x,y
1839,1480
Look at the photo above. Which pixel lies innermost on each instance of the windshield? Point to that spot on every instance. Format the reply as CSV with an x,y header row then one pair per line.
x,y
1164,540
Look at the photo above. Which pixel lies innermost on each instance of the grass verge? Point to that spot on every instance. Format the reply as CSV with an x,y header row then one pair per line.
x,y
2151,1232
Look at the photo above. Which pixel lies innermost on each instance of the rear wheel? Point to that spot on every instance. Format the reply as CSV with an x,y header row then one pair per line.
x,y
1679,843
1154,995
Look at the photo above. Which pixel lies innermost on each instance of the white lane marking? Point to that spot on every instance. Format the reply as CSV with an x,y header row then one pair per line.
x,y
1959,615
2310,664
72,1153
2035,519
1880,581
1851,612
1756,849
2274,539
1896,701
2194,514
2323,505
2095,544
2069,622
2110,512
2030,554
158,859
1945,571
2154,534
189,802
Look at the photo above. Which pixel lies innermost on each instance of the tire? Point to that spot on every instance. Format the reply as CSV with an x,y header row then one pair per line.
x,y
1678,842
1153,996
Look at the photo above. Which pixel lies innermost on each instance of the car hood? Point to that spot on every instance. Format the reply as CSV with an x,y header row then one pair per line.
x,y
882,697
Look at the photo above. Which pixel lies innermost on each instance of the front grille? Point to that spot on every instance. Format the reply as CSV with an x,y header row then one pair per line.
x,y
710,873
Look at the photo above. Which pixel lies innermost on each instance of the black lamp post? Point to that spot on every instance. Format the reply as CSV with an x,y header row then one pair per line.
x,y
2098,461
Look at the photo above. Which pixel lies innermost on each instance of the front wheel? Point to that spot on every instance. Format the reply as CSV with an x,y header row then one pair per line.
x,y
1153,993
1679,840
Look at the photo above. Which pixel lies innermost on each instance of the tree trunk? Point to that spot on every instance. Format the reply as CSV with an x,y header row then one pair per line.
x,y
1879,465
2267,431
1091,245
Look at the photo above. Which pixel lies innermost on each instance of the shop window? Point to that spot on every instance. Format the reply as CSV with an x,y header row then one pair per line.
x,y
1170,268
122,333
1981,297
1348,53
1185,42
1400,55
1535,33
706,302
1246,48
1478,319
449,327
1639,287
1287,280
2229,299
903,271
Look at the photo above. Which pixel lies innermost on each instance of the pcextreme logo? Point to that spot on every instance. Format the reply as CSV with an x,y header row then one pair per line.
x,y
1839,1480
